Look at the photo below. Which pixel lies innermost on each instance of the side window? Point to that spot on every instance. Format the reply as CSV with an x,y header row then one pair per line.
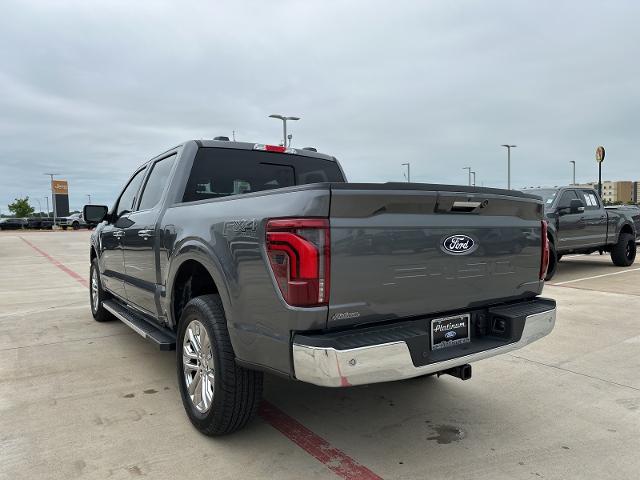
x,y
565,199
156,183
125,203
590,200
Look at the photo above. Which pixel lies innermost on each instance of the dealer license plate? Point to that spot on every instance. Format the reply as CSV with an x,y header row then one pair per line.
x,y
450,331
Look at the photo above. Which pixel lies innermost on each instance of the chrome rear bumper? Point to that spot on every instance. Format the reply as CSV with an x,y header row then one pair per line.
x,y
386,362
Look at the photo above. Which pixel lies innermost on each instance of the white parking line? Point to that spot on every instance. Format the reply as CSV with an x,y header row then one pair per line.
x,y
596,276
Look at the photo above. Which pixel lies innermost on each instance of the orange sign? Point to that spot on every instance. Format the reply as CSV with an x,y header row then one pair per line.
x,y
60,187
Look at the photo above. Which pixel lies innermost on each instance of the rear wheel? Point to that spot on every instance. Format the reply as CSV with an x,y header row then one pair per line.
x,y
553,262
75,225
97,295
623,253
219,396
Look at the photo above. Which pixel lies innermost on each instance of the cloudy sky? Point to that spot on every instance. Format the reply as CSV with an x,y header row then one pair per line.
x,y
93,89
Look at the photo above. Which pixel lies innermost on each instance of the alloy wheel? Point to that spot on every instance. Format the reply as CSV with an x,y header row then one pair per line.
x,y
95,294
198,366
631,249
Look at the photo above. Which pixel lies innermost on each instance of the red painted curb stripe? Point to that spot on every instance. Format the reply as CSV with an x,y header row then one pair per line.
x,y
331,457
58,264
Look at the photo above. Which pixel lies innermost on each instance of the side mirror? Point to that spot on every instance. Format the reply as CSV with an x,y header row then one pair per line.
x,y
576,206
94,213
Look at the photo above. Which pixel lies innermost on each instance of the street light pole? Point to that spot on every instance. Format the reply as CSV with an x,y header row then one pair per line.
x,y
53,197
408,172
39,206
89,195
46,197
469,169
509,147
474,178
284,125
573,163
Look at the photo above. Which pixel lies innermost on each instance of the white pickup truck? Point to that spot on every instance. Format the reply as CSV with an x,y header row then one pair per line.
x,y
75,221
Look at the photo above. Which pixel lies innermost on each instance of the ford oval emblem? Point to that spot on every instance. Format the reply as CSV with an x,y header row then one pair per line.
x,y
459,244
450,334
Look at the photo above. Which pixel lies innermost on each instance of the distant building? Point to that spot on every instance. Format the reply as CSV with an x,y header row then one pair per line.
x,y
636,192
612,192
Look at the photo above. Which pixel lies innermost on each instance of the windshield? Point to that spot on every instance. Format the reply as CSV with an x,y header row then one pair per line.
x,y
548,195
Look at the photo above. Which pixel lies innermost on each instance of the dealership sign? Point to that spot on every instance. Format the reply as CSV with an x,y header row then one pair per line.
x,y
60,189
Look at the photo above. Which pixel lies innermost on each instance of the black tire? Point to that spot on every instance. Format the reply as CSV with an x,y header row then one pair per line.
x,y
237,391
623,253
553,262
100,314
75,225
559,257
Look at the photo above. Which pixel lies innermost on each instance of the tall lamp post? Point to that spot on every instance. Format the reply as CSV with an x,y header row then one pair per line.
x,y
46,197
89,195
469,169
284,125
408,165
509,147
573,164
53,197
474,178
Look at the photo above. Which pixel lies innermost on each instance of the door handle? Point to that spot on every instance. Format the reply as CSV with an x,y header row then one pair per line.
x,y
145,234
118,234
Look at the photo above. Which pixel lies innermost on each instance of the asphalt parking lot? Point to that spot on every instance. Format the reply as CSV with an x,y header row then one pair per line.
x,y
79,399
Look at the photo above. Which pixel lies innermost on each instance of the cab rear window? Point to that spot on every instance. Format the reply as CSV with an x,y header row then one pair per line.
x,y
220,172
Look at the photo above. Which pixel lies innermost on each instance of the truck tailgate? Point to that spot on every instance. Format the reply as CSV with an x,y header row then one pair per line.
x,y
403,250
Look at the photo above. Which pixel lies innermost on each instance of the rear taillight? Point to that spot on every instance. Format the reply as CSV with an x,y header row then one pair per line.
x,y
299,255
544,259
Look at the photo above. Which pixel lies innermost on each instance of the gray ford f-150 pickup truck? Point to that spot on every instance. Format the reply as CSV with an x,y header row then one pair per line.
x,y
250,258
579,223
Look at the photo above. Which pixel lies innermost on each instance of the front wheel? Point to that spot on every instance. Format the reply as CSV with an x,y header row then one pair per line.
x,y
75,225
97,295
623,253
553,262
219,396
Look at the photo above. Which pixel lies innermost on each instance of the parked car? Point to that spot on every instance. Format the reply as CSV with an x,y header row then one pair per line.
x,y
578,223
246,259
12,223
74,221
39,222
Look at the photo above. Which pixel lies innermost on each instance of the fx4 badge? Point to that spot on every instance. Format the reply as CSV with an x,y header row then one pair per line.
x,y
459,244
240,226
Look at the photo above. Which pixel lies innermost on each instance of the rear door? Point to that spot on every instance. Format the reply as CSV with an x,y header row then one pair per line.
x,y
595,218
401,253
140,238
111,237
